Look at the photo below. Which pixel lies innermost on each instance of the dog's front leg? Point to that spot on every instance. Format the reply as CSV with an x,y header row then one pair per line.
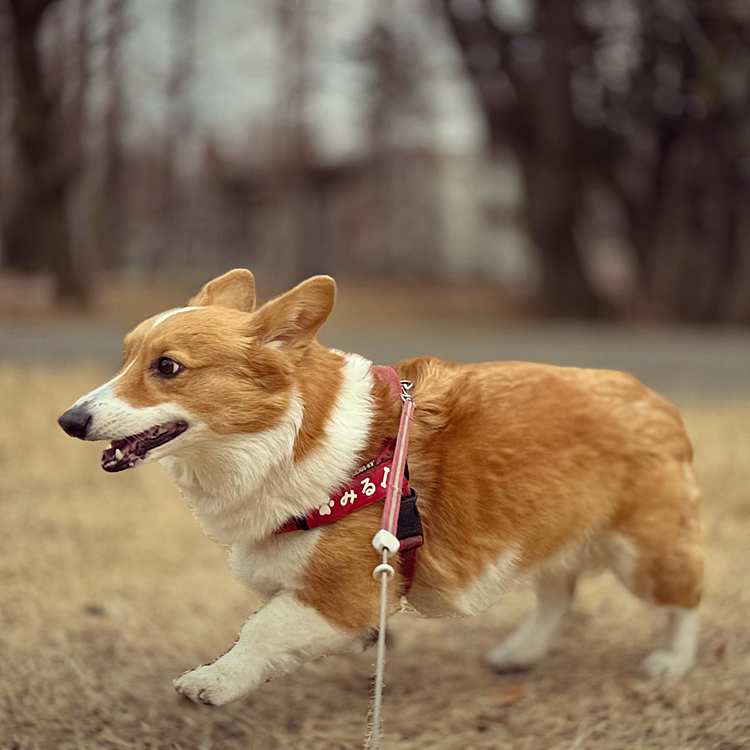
x,y
281,637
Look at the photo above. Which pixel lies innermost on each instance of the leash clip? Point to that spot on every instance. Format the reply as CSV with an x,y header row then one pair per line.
x,y
406,386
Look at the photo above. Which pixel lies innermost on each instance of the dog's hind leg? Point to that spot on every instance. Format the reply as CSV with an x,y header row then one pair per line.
x,y
670,579
280,638
677,655
667,566
532,639
668,574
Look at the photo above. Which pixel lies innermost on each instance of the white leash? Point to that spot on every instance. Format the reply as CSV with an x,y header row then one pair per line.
x,y
385,572
386,543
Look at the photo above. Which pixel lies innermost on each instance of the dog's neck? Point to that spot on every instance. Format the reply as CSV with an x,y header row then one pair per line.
x,y
244,487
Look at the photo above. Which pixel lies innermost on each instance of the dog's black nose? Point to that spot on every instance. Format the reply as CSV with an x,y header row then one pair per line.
x,y
76,421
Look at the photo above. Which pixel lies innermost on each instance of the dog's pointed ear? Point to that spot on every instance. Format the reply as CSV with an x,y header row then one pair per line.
x,y
295,317
235,290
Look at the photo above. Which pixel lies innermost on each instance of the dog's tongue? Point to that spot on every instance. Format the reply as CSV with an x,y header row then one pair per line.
x,y
122,454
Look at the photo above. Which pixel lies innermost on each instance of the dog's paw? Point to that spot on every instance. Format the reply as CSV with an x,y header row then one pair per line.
x,y
210,685
665,663
507,657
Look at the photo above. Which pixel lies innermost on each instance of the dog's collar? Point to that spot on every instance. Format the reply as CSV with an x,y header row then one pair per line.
x,y
368,486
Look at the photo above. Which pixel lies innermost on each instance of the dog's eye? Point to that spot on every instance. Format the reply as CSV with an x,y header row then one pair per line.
x,y
166,367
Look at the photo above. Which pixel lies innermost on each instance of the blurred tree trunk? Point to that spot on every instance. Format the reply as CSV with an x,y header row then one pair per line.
x,y
36,235
685,189
695,251
111,226
678,158
528,108
178,126
382,54
77,114
307,252
72,57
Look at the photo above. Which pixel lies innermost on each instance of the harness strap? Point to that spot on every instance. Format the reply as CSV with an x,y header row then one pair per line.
x,y
410,537
367,486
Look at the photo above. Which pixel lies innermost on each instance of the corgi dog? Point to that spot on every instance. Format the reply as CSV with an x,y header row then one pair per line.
x,y
524,472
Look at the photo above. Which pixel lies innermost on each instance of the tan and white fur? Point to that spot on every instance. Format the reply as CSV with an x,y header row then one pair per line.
x,y
525,472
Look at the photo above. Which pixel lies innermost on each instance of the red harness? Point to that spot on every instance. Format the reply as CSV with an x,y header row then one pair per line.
x,y
368,486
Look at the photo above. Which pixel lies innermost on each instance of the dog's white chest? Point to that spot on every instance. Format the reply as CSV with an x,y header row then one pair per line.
x,y
219,523
267,566
273,566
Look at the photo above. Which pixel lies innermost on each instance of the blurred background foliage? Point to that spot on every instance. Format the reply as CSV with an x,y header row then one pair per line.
x,y
583,158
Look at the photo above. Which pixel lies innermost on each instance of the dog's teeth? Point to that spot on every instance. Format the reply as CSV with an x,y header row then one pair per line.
x,y
118,454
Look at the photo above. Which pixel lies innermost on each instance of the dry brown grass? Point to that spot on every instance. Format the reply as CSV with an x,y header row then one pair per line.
x,y
108,590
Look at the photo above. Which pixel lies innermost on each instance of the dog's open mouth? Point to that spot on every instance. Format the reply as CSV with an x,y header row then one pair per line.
x,y
128,452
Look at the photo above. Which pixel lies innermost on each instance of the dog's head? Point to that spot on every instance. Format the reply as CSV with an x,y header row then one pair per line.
x,y
218,366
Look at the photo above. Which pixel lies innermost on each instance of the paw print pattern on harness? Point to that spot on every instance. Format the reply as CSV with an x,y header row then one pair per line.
x,y
325,509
